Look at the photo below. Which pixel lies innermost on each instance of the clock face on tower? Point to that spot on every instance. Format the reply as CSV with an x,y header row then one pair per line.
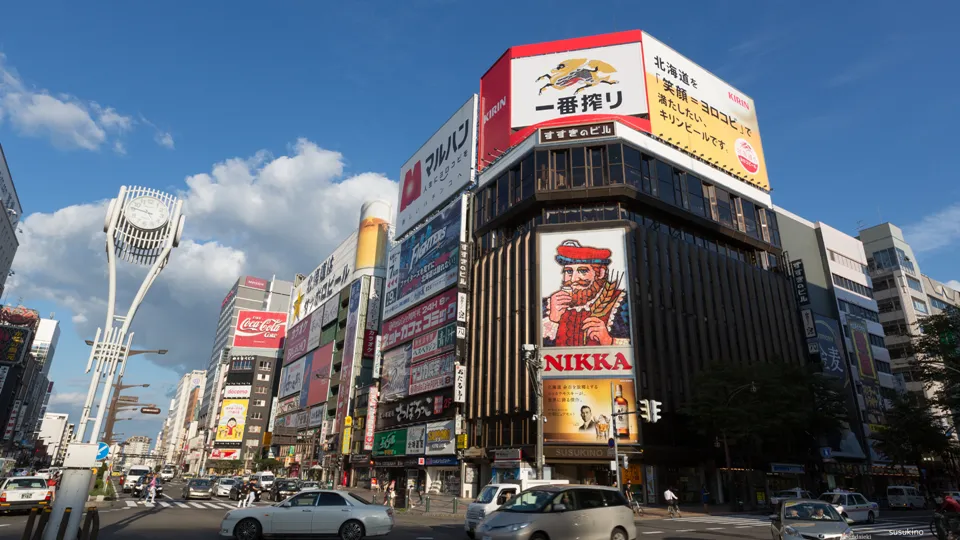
x,y
147,213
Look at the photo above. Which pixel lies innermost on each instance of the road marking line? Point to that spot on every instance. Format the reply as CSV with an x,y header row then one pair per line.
x,y
131,504
165,504
226,506
198,505
684,530
181,505
743,527
652,532
212,505
715,528
5,525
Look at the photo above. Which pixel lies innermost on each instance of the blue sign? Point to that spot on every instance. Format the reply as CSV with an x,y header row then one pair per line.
x,y
826,451
103,449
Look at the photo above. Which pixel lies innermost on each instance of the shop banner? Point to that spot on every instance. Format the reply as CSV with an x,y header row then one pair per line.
x,y
233,418
288,405
373,399
395,373
578,411
298,337
437,405
317,383
415,440
302,419
291,378
316,416
390,443
260,329
585,326
430,315
870,386
425,263
432,374
460,384
441,438
346,440
374,305
15,342
236,391
316,324
434,342
225,453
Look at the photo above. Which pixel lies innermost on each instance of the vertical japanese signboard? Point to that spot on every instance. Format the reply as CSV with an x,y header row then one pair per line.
x,y
833,366
703,115
371,422
800,283
358,302
862,350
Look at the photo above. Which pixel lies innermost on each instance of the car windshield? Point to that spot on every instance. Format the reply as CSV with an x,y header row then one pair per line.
x,y
200,483
534,500
310,485
486,494
832,498
26,483
788,493
810,511
228,481
359,498
287,484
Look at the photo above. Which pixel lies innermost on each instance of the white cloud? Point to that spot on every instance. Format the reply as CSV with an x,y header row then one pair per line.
x,y
67,399
261,215
954,284
164,139
69,122
935,231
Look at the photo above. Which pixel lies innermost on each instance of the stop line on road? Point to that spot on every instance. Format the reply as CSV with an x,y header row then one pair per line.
x,y
187,505
910,529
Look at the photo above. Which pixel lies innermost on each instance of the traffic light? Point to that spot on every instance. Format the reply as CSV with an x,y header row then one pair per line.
x,y
655,410
644,410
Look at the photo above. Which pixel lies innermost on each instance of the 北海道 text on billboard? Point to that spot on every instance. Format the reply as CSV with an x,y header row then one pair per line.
x,y
326,280
425,263
440,168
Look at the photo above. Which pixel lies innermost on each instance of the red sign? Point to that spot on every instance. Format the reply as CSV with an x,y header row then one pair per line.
x,y
427,316
609,361
260,329
369,343
225,453
230,294
371,424
295,345
318,387
255,283
494,136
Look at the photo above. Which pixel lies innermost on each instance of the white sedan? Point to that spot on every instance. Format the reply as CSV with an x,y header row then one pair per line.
x,y
313,512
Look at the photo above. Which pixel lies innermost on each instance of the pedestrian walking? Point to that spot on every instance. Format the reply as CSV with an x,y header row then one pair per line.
x,y
144,483
705,498
153,490
391,494
254,491
242,493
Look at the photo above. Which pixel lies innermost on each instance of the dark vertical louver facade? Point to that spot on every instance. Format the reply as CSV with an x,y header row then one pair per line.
x,y
693,308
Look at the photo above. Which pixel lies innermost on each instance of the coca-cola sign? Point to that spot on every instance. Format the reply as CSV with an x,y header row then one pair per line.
x,y
260,329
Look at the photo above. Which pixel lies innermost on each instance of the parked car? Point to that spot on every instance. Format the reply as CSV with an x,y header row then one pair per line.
x,y
815,519
787,494
223,486
852,505
144,483
907,497
23,493
314,512
198,488
557,511
283,488
309,484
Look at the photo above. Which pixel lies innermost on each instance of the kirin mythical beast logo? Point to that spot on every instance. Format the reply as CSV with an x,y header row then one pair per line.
x,y
578,72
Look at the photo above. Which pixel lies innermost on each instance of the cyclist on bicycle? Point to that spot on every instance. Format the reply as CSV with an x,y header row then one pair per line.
x,y
949,512
672,502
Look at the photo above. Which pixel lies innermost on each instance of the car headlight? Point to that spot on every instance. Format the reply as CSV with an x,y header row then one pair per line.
x,y
791,531
482,513
513,527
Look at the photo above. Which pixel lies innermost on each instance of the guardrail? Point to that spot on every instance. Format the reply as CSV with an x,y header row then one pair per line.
x,y
39,518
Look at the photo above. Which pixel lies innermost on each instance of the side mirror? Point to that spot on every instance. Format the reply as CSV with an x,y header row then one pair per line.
x,y
559,508
285,505
850,521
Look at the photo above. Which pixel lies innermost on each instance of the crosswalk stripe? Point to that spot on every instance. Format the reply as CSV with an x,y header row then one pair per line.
x,y
165,504
181,505
131,504
226,506
197,505
212,505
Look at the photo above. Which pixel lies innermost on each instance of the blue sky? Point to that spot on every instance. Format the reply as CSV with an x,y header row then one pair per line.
x,y
855,102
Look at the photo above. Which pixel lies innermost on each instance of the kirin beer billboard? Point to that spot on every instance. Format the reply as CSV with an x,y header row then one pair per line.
x,y
260,329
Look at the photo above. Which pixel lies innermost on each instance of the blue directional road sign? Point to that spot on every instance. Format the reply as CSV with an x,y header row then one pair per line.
x,y
103,449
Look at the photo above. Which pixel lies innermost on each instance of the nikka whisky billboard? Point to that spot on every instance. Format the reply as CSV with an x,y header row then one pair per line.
x,y
586,336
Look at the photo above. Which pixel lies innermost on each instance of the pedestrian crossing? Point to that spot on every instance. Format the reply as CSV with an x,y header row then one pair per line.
x,y
918,528
184,505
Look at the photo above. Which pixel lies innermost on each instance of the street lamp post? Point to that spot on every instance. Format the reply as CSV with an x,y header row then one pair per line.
x,y
142,227
533,360
119,387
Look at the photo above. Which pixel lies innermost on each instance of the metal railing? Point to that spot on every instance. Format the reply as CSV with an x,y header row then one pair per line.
x,y
39,518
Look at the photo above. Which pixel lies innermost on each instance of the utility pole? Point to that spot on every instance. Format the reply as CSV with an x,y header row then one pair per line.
x,y
531,356
613,425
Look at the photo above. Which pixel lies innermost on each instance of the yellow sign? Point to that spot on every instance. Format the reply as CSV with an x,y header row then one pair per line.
x,y
347,436
233,418
694,110
578,411
348,421
267,438
462,441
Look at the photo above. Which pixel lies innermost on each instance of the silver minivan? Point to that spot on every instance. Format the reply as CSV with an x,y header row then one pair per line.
x,y
593,512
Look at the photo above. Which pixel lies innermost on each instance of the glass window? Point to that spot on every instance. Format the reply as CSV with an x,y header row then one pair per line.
x,y
615,157
695,195
579,168
724,208
305,499
614,498
939,304
920,306
647,172
598,172
590,498
750,218
516,191
543,170
631,162
914,284
503,193
665,179
527,175
330,499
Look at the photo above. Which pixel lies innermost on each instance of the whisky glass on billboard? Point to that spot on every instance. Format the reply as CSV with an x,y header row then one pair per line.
x,y
603,427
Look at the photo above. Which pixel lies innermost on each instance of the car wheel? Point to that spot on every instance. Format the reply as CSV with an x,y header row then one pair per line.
x,y
619,534
871,518
351,530
470,534
248,529
539,536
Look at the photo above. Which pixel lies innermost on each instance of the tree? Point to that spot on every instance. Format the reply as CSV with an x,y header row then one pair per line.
x,y
912,430
266,464
937,351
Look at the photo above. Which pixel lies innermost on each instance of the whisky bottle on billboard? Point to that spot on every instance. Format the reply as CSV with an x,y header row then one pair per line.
x,y
623,420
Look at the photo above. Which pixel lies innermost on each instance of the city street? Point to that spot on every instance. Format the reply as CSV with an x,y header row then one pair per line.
x,y
196,520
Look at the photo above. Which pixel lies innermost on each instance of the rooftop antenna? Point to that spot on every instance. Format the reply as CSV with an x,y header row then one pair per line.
x,y
860,225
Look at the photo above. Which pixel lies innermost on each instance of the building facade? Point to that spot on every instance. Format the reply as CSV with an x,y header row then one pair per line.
x,y
181,421
53,435
249,294
9,226
136,451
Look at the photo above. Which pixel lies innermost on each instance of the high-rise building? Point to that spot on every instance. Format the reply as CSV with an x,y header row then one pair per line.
x,y
9,226
53,434
181,418
250,303
136,449
42,352
843,331
45,343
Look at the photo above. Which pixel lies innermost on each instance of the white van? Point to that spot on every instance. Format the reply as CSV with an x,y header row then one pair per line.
x,y
132,475
265,479
492,496
905,497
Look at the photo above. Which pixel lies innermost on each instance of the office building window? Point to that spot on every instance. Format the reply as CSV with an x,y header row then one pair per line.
x,y
858,311
256,416
920,306
261,390
259,403
891,258
266,364
255,429
888,305
852,286
263,377
883,367
876,340
840,258
897,327
939,304
915,284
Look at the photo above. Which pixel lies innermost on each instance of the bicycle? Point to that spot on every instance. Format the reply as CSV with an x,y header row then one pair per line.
x,y
943,527
673,510
637,508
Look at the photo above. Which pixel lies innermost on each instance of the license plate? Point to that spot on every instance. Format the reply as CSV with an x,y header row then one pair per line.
x,y
26,496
